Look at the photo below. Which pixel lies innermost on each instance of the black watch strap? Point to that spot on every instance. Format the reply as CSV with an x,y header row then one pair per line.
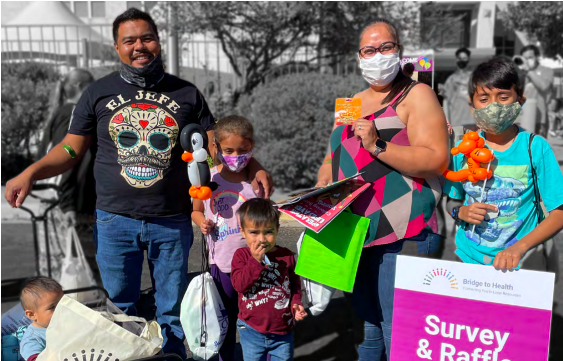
x,y
380,146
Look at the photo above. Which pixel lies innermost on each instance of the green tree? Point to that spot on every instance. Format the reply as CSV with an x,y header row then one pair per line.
x,y
252,34
256,35
26,89
539,19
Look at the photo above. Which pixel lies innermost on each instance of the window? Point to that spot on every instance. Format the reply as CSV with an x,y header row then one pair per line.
x,y
135,4
98,9
504,44
448,29
81,9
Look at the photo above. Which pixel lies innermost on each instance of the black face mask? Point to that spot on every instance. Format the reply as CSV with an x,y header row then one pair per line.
x,y
145,77
462,64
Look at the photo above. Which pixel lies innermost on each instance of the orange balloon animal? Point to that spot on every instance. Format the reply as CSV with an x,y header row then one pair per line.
x,y
469,142
472,146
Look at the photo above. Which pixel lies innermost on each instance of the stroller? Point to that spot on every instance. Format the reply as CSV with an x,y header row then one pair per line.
x,y
11,288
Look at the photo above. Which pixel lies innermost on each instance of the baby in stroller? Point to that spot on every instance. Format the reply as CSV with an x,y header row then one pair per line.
x,y
39,297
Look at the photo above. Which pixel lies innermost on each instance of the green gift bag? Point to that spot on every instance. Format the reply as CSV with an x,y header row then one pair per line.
x,y
331,256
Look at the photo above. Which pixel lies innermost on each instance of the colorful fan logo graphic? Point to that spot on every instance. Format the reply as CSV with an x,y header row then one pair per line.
x,y
425,63
440,272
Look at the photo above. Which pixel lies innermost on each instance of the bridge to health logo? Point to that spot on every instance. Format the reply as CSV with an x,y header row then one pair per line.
x,y
440,272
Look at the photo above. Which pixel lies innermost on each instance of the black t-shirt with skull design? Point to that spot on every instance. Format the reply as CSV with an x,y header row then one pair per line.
x,y
139,170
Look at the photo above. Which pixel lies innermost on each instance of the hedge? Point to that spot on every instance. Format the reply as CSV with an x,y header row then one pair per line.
x,y
293,117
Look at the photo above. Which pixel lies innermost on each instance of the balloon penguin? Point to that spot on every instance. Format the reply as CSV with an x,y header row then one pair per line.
x,y
473,147
193,139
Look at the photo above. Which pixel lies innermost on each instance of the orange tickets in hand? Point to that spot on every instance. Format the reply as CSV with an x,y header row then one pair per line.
x,y
347,110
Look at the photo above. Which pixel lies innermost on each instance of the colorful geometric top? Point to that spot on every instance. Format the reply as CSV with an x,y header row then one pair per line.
x,y
398,206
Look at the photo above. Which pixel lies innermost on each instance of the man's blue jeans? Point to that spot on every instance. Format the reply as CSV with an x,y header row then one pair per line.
x,y
374,291
120,245
258,346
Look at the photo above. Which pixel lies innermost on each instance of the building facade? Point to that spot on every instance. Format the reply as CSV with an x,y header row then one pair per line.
x,y
478,27
475,25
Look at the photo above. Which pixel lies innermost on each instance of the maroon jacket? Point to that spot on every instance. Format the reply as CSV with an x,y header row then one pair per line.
x,y
266,294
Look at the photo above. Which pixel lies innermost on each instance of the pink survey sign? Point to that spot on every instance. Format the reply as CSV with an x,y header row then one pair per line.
x,y
450,311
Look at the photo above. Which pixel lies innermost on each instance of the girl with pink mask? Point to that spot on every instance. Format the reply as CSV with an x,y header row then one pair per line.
x,y
234,141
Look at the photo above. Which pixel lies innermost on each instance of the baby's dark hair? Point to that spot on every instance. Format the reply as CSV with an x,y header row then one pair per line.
x,y
259,211
233,124
34,289
498,72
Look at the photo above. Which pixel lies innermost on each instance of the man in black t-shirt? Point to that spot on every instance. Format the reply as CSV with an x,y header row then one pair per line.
x,y
135,116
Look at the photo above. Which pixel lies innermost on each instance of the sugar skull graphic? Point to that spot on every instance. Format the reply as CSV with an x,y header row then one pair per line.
x,y
144,135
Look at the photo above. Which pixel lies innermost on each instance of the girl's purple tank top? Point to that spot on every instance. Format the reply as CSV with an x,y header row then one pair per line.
x,y
221,208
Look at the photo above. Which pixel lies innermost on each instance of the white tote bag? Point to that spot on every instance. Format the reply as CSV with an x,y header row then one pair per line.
x,y
318,295
76,273
77,332
203,317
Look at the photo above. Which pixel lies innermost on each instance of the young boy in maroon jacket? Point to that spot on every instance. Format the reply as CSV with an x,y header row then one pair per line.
x,y
269,290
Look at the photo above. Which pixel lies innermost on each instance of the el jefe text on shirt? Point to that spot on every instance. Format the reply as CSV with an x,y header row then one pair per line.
x,y
146,95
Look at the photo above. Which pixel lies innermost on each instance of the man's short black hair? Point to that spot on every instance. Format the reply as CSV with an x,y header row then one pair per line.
x,y
130,15
259,211
531,47
498,72
463,50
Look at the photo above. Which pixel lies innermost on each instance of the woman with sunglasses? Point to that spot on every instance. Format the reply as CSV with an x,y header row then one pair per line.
x,y
401,145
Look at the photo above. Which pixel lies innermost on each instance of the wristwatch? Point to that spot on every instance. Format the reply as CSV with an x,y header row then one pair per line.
x,y
455,214
380,146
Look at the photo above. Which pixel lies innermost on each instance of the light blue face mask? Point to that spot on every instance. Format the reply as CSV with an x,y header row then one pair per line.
x,y
495,118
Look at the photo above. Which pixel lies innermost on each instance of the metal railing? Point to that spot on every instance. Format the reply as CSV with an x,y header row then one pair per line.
x,y
91,46
201,58
67,46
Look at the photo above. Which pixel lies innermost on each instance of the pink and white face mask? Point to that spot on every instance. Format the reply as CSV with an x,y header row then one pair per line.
x,y
235,163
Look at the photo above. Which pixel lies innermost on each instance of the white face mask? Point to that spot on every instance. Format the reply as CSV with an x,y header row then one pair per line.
x,y
381,69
